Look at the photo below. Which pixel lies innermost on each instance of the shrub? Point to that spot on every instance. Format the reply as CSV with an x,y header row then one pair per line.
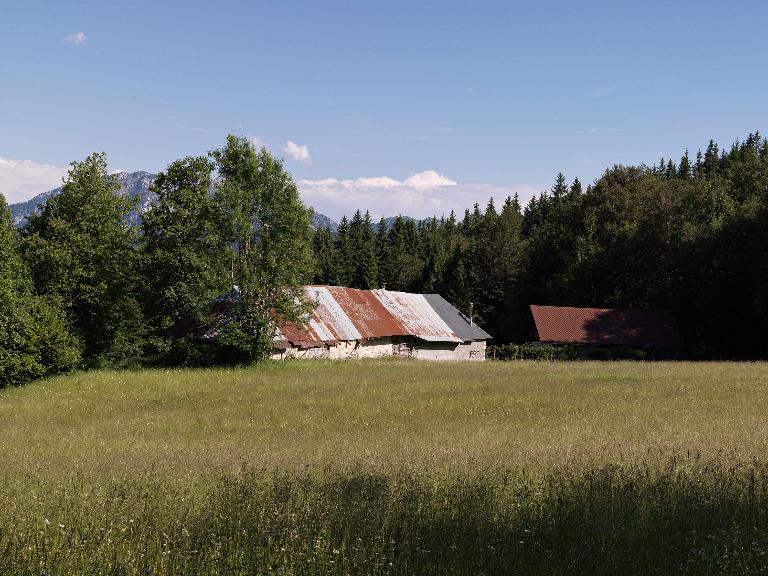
x,y
194,353
550,352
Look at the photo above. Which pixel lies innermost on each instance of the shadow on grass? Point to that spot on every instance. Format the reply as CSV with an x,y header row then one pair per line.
x,y
602,520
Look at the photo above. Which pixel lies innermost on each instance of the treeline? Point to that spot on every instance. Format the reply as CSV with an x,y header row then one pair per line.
x,y
688,236
80,286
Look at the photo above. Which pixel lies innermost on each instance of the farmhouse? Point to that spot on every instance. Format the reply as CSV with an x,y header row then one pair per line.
x,y
352,323
605,327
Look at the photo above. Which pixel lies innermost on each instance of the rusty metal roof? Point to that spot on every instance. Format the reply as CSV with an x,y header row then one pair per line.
x,y
349,314
417,316
602,326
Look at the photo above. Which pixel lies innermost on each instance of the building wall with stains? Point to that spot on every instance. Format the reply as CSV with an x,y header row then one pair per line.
x,y
382,347
449,351
345,349
352,323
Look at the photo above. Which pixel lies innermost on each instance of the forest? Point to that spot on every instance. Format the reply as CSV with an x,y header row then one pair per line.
x,y
690,237
82,287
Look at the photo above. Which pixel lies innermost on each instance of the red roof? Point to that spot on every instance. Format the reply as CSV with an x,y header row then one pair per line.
x,y
603,326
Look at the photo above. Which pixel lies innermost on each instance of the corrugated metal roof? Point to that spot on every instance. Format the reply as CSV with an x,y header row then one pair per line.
x,y
366,312
457,321
603,326
351,314
417,316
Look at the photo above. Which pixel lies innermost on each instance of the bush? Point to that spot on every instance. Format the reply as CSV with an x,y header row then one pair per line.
x,y
193,353
34,339
551,353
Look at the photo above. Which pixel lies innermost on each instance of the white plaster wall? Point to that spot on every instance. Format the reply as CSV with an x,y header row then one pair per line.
x,y
449,351
385,347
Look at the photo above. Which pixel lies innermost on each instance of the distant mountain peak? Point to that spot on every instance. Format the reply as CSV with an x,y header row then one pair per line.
x,y
135,184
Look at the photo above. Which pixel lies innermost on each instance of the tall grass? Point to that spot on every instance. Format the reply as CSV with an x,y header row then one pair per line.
x,y
388,468
603,520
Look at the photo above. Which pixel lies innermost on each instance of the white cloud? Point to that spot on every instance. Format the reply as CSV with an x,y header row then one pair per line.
x,y
420,195
427,180
20,180
375,182
258,142
299,152
76,39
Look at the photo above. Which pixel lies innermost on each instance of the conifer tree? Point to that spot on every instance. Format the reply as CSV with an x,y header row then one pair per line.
x,y
326,271
684,169
576,188
434,256
344,248
382,253
711,159
560,188
367,265
671,170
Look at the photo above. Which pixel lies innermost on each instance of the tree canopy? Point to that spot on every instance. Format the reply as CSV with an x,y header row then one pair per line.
x,y
81,285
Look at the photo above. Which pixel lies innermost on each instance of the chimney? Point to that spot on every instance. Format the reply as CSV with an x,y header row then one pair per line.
x,y
471,320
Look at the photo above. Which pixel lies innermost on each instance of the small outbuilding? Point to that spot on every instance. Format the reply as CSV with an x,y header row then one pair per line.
x,y
352,323
645,329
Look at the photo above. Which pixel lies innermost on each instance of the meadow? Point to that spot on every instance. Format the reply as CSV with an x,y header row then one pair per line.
x,y
388,467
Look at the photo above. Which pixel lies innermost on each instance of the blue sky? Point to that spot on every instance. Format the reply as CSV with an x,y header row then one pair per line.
x,y
413,107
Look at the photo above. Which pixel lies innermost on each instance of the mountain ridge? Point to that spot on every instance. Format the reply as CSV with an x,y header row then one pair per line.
x,y
137,184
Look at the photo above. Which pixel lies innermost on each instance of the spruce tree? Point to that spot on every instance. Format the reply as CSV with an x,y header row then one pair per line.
x,y
382,253
326,256
434,256
576,189
560,188
684,169
367,267
711,159
397,261
344,249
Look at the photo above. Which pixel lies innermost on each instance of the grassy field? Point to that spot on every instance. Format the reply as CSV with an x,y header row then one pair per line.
x,y
389,467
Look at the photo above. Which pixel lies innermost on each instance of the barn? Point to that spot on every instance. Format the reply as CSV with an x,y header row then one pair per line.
x,y
352,323
645,329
